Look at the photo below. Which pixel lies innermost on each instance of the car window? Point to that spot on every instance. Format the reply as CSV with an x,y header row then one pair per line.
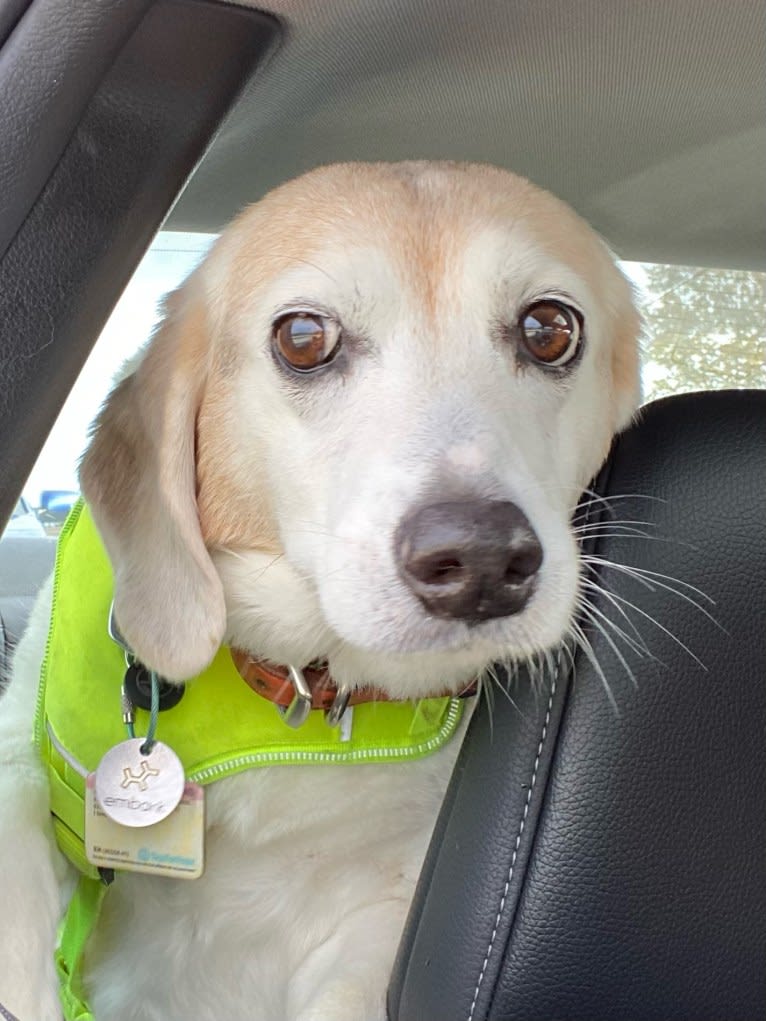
x,y
51,488
704,329
24,521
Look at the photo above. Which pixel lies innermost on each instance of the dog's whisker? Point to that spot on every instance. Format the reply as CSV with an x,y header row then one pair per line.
x,y
570,640
229,552
631,569
549,662
599,628
582,640
244,556
536,672
598,622
606,594
606,502
638,647
627,534
260,572
612,528
613,522
316,528
567,650
497,685
613,497
594,565
662,628
652,583
486,691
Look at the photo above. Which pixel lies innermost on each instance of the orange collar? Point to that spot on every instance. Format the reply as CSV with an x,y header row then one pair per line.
x,y
312,687
277,685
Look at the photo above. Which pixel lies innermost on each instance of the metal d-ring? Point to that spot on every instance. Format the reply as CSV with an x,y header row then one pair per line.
x,y
115,634
296,714
334,714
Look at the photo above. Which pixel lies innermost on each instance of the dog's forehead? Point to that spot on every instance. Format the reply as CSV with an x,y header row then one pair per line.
x,y
360,227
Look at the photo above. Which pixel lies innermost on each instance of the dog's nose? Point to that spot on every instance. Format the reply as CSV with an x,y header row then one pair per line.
x,y
470,559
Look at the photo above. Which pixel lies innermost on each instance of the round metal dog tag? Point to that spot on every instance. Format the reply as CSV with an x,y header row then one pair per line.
x,y
138,789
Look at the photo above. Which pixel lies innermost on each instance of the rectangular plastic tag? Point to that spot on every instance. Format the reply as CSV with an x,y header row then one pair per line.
x,y
172,847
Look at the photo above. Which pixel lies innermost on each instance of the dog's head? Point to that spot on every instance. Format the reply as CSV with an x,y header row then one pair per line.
x,y
362,427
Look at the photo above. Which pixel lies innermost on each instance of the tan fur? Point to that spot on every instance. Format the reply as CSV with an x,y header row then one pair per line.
x,y
231,515
161,461
139,478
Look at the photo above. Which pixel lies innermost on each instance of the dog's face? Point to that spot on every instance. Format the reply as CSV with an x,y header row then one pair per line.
x,y
362,428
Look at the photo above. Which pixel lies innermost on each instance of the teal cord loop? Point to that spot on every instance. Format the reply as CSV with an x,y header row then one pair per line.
x,y
154,712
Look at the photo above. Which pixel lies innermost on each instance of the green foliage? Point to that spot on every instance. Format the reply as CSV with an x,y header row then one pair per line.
x,y
706,329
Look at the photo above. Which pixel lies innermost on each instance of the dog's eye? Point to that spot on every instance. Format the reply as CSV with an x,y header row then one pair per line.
x,y
305,340
551,332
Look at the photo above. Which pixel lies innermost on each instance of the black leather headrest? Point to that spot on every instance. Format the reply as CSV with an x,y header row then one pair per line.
x,y
604,858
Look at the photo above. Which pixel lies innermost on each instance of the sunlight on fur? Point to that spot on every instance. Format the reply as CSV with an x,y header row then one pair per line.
x,y
357,438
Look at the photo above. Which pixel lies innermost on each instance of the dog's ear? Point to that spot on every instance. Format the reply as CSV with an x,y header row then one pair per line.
x,y
138,476
626,357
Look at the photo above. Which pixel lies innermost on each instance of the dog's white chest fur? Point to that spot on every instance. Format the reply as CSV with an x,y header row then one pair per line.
x,y
299,901
309,875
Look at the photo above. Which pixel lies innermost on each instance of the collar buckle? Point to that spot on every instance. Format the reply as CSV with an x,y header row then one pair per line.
x,y
335,713
296,714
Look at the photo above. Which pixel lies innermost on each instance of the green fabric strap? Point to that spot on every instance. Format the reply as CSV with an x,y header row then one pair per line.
x,y
219,728
79,922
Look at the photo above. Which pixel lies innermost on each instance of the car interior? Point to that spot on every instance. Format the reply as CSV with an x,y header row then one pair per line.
x,y
599,853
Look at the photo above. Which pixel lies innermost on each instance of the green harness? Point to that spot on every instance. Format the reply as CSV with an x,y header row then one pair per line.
x,y
220,727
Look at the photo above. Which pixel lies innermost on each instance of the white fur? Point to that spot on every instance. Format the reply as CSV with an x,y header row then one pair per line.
x,y
310,870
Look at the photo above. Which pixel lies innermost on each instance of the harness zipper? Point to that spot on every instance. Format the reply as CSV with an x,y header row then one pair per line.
x,y
237,764
42,680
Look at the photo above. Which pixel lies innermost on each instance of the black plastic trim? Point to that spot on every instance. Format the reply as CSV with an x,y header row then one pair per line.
x,y
11,12
145,126
51,64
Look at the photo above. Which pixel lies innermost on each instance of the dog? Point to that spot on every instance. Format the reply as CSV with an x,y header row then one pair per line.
x,y
357,437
